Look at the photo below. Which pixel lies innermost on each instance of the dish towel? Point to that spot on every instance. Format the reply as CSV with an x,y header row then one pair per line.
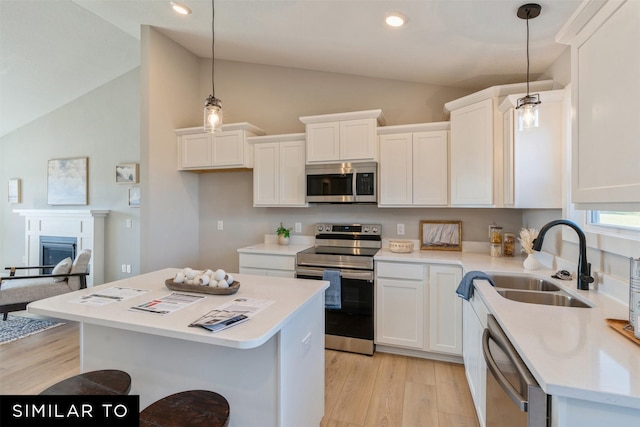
x,y
465,288
333,294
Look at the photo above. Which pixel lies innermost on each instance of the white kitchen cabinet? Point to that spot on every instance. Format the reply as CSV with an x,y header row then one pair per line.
x,y
268,264
476,145
533,158
445,310
228,149
414,165
475,321
417,307
605,136
400,304
348,137
279,170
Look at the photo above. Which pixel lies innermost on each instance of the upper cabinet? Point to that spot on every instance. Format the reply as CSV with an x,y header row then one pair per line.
x,y
533,158
279,170
228,149
476,145
605,68
414,165
343,137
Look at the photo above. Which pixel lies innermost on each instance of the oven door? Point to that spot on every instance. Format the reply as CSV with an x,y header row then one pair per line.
x,y
355,318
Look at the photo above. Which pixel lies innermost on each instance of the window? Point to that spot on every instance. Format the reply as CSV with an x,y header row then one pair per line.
x,y
613,219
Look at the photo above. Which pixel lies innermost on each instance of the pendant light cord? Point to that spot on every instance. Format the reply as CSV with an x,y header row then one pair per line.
x,y
527,53
213,43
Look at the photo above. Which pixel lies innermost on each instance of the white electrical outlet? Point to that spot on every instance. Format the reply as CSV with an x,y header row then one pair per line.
x,y
123,268
298,227
129,223
129,268
220,225
400,229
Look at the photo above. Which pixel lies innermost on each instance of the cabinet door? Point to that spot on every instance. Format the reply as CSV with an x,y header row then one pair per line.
x,y
266,174
445,310
323,142
358,139
606,144
474,364
400,312
472,155
396,174
195,150
431,168
293,182
228,149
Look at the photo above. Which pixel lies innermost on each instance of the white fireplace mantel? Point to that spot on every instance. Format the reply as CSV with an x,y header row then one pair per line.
x,y
86,225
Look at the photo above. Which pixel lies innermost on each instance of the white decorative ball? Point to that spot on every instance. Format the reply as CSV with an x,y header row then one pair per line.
x,y
191,274
208,273
219,274
223,284
179,278
230,279
203,280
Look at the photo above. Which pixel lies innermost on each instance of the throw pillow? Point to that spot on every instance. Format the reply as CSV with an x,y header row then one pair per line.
x,y
63,267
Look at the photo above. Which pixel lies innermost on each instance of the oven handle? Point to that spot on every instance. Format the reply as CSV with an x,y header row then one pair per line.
x,y
503,342
347,274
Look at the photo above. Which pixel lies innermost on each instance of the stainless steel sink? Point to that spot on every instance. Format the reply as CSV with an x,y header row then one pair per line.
x,y
545,298
528,283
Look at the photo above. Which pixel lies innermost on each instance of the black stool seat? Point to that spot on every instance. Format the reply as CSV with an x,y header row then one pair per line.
x,y
105,382
194,408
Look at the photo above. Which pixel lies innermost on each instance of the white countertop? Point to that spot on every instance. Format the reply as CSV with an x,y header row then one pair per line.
x,y
274,249
290,296
570,351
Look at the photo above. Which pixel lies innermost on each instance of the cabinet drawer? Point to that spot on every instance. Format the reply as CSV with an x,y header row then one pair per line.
x,y
271,262
400,270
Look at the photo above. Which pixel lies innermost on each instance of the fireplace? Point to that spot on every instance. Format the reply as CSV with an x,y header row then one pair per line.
x,y
54,249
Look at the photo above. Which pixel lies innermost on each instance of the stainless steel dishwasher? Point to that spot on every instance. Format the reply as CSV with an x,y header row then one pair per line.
x,y
514,398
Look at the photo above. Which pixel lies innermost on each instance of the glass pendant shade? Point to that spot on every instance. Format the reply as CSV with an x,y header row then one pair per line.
x,y
212,115
528,111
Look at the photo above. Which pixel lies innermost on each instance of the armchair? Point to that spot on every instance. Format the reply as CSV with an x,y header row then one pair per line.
x,y
16,292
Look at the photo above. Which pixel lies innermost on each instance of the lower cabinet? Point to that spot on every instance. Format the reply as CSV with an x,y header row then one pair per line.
x,y
475,321
268,265
417,307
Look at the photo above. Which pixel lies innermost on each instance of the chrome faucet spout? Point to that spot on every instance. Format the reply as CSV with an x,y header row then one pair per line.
x,y
584,268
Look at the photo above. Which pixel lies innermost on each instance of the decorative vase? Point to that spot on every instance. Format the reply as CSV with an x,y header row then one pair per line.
x,y
531,263
283,240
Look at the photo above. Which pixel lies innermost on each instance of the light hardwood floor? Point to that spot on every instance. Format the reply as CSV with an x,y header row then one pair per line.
x,y
382,390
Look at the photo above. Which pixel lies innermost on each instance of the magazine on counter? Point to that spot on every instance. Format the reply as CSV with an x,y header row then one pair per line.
x,y
168,304
232,313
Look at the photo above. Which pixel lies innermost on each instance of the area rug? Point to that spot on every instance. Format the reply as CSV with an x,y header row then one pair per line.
x,y
16,327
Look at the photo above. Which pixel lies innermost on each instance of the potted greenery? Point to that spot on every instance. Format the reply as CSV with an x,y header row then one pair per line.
x,y
283,235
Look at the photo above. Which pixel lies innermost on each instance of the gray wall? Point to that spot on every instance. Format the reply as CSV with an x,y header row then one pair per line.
x,y
103,125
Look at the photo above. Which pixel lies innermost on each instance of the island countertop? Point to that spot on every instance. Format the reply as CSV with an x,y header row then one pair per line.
x,y
289,296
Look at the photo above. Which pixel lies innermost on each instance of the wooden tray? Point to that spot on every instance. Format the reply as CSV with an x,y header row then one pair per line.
x,y
211,290
619,326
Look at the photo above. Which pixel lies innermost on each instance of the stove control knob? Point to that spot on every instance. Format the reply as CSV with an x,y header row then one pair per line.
x,y
374,230
320,228
365,229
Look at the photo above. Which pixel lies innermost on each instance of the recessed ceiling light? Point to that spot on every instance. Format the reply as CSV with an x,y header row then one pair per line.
x,y
395,19
180,8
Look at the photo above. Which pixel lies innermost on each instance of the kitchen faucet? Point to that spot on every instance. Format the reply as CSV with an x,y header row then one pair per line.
x,y
584,268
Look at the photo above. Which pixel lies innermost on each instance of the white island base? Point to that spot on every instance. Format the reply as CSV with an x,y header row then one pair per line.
x,y
270,368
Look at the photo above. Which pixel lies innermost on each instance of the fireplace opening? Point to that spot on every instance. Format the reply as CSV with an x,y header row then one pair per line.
x,y
54,249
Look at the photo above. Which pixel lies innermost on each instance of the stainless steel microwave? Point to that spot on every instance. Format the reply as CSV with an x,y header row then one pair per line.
x,y
342,183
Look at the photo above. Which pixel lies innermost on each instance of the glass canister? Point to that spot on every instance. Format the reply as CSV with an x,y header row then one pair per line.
x,y
509,244
495,250
634,294
495,240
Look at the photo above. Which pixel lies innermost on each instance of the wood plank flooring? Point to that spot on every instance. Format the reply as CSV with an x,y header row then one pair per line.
x,y
382,390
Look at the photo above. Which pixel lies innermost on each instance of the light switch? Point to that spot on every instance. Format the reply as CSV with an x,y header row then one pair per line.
x,y
220,225
298,227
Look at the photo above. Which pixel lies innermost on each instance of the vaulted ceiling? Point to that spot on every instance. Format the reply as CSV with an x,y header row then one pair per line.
x,y
53,51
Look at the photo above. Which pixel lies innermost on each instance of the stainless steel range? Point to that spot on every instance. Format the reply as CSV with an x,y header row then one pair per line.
x,y
348,249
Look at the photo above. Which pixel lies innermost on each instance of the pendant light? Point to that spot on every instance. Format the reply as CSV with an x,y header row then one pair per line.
x,y
528,106
212,106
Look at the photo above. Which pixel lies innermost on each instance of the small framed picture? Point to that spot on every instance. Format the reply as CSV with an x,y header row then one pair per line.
x,y
134,197
127,173
441,235
14,191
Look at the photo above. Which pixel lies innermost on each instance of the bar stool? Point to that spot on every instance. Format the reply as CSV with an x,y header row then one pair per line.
x,y
105,382
193,408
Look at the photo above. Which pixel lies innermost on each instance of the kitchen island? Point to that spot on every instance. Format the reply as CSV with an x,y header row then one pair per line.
x,y
270,368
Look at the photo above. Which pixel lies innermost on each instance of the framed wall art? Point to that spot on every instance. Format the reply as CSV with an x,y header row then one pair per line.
x,y
67,181
134,197
14,195
127,173
441,235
